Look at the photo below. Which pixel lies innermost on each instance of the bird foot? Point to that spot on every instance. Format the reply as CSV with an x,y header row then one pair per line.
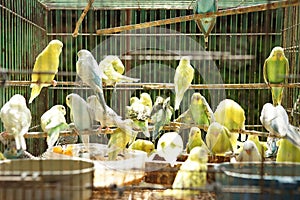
x,y
54,83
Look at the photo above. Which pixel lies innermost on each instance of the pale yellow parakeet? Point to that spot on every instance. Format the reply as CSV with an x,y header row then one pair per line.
x,y
113,68
231,115
117,142
183,78
191,175
219,139
46,62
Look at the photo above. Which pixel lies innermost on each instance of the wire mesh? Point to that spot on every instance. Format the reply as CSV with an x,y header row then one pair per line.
x,y
230,67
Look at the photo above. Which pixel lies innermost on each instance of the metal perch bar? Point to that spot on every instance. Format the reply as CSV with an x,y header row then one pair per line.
x,y
233,11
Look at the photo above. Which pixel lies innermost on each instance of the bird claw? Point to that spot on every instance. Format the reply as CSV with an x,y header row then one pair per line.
x,y
54,83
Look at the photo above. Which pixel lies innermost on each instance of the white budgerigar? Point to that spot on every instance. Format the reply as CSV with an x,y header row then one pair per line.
x,y
90,73
52,122
80,114
16,118
109,118
169,146
183,78
249,153
113,68
276,121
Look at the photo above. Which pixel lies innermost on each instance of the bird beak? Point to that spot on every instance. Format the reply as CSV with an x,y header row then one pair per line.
x,y
248,152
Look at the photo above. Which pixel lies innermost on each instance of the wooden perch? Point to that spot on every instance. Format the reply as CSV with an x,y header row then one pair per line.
x,y
233,11
83,14
128,86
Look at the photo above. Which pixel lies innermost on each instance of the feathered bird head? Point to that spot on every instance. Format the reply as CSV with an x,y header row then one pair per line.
x,y
83,53
198,154
249,147
277,52
185,60
60,108
58,45
17,100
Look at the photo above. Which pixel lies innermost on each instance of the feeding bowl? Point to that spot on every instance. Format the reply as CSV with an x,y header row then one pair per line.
x,y
46,179
268,180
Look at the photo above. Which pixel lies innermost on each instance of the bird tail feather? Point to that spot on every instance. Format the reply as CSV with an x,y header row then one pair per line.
x,y
35,91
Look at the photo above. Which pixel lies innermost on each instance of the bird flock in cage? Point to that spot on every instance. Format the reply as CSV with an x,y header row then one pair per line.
x,y
221,126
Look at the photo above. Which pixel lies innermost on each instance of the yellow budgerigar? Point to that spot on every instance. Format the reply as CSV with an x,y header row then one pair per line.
x,y
45,68
287,151
143,145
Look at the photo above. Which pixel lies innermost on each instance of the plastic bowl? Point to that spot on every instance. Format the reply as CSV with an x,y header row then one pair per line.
x,y
270,180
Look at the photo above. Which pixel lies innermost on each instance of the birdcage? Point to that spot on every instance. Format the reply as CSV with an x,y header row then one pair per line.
x,y
150,38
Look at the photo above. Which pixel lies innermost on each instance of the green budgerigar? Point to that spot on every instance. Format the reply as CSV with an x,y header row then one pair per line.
x,y
183,78
160,115
143,145
16,118
52,122
219,140
276,71
45,68
195,139
206,24
199,112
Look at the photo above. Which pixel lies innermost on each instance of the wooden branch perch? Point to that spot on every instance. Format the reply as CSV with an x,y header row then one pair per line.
x,y
233,11
83,14
164,85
